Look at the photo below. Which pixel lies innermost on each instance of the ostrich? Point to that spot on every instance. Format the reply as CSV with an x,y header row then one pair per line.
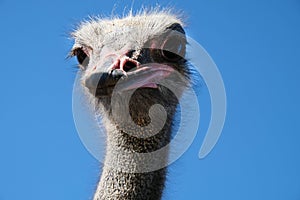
x,y
124,62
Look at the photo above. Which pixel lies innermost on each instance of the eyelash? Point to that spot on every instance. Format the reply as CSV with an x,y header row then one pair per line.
x,y
82,57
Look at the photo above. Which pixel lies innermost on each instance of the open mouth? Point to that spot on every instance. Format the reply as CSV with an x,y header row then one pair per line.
x,y
146,76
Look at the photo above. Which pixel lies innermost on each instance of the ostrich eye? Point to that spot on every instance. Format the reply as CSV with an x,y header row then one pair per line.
x,y
82,57
173,48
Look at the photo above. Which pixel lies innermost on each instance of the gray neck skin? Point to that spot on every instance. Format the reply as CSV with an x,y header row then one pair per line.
x,y
119,184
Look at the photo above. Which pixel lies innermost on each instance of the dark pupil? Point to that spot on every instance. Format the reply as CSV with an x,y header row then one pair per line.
x,y
81,56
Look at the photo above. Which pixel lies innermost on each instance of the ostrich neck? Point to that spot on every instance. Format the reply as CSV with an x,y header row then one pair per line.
x,y
117,184
132,169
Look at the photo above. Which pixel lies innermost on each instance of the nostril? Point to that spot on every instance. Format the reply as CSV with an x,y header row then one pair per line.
x,y
129,65
130,53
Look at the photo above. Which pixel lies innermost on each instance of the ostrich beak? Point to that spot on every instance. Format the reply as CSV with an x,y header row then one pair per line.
x,y
118,80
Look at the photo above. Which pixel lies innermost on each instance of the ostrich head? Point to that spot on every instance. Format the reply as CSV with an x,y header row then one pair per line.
x,y
135,70
134,55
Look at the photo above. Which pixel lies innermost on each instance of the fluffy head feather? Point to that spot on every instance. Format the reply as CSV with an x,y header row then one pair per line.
x,y
117,32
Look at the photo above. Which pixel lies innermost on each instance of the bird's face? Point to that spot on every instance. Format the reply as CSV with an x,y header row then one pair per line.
x,y
134,53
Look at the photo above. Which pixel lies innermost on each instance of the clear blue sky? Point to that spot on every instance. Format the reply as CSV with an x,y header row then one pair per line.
x,y
256,46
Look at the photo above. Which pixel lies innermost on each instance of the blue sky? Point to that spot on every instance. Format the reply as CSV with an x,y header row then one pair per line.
x,y
256,46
